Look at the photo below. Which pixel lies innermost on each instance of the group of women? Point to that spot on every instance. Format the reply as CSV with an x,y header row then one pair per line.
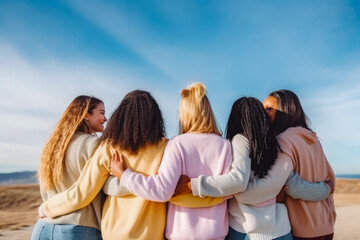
x,y
227,188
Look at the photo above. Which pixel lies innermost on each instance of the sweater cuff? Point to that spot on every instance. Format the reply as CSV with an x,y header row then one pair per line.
x,y
195,186
41,211
125,177
44,210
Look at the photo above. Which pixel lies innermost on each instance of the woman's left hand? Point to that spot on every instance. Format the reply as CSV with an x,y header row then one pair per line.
x,y
117,165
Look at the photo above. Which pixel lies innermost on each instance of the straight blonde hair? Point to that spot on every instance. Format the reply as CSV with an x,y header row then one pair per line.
x,y
52,163
195,112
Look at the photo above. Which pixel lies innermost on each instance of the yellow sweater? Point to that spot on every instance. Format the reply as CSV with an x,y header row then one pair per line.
x,y
127,217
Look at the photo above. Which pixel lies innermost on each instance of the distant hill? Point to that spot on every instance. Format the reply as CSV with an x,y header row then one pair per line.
x,y
18,178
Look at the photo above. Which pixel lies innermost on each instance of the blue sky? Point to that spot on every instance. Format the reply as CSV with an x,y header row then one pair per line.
x,y
52,51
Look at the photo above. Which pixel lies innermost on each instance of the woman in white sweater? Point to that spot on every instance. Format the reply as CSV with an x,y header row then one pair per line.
x,y
259,168
68,149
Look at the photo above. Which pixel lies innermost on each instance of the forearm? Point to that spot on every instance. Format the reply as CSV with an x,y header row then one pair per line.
x,y
113,187
153,188
68,201
221,185
83,191
190,201
160,187
234,181
305,190
260,190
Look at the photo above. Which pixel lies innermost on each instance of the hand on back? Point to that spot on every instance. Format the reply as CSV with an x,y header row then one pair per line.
x,y
117,165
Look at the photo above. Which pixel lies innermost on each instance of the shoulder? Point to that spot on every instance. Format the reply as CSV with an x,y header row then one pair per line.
x,y
287,134
85,137
283,157
86,142
240,140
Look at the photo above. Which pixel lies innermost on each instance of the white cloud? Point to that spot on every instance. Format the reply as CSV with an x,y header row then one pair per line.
x,y
335,115
36,93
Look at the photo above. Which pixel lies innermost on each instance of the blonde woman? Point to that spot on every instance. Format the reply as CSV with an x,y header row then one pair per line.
x,y
62,159
198,150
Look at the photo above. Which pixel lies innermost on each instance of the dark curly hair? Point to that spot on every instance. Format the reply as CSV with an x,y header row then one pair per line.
x,y
135,123
249,118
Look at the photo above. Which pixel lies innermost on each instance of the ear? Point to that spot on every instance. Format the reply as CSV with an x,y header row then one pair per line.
x,y
86,118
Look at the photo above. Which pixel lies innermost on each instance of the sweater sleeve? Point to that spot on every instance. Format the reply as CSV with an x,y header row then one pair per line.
x,y
85,189
260,190
234,181
190,201
305,190
160,187
114,188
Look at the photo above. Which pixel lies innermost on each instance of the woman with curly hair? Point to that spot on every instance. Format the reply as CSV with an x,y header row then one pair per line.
x,y
68,149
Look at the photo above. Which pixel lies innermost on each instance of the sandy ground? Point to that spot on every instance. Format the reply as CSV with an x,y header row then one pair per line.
x,y
347,202
20,234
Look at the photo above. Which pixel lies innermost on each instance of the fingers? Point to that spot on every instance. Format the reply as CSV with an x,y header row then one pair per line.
x,y
115,157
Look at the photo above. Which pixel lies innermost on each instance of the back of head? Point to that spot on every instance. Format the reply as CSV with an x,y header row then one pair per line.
x,y
135,123
289,113
52,157
195,112
249,118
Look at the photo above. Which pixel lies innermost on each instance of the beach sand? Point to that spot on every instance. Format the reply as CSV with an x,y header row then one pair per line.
x,y
18,210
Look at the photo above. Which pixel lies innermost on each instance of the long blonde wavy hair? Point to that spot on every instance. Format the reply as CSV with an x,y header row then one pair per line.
x,y
195,112
52,163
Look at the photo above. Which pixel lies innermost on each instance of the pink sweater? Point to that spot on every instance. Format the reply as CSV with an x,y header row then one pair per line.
x,y
308,219
190,154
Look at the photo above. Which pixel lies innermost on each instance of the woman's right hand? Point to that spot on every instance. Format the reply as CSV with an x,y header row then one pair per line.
x,y
117,165
184,185
281,197
331,185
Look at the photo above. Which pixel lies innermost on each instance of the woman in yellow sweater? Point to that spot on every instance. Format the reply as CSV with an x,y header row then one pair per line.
x,y
136,129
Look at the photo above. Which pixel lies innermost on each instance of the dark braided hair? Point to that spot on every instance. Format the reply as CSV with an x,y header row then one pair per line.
x,y
249,118
135,123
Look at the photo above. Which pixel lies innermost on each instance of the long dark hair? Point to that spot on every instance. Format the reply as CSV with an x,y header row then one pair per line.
x,y
135,123
289,113
249,118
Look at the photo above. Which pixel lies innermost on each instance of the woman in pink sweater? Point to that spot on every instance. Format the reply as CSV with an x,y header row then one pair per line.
x,y
199,150
309,220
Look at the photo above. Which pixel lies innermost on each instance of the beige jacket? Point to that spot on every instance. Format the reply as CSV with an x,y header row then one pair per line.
x,y
79,151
